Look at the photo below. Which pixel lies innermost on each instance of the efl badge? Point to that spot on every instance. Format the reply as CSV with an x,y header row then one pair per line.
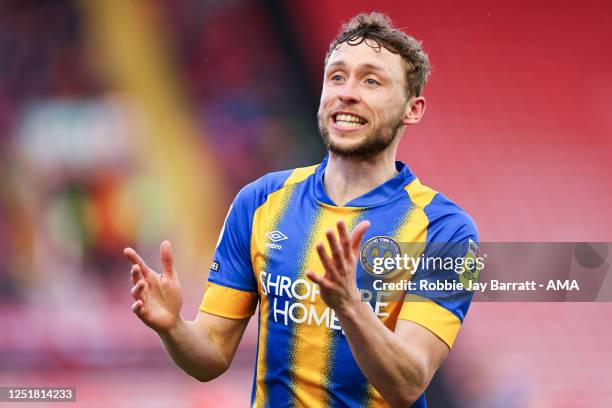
x,y
470,276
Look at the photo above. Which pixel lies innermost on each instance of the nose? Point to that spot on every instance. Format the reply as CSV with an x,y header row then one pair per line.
x,y
348,93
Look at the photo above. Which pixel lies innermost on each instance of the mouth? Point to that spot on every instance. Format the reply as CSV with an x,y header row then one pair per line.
x,y
347,121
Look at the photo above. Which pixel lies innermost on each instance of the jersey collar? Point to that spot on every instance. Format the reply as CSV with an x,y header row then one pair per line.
x,y
379,195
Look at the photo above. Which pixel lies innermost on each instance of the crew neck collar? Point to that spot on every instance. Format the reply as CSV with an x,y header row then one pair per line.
x,y
377,196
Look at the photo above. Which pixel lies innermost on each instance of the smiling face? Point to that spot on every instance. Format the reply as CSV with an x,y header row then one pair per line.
x,y
364,105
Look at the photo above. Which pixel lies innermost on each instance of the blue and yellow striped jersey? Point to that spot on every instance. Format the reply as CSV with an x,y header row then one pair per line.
x,y
264,251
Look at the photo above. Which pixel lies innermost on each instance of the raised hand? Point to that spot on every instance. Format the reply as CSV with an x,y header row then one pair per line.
x,y
339,282
158,296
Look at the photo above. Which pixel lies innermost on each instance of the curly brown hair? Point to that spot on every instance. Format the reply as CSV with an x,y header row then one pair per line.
x,y
379,28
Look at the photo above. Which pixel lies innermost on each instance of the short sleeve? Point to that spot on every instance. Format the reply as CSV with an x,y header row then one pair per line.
x,y
440,298
231,290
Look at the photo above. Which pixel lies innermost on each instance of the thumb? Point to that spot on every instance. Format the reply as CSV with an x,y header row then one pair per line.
x,y
165,253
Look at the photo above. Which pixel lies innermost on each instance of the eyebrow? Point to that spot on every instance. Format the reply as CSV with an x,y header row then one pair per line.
x,y
368,66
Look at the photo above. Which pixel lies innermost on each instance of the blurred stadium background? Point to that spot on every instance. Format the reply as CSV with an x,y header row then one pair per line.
x,y
128,122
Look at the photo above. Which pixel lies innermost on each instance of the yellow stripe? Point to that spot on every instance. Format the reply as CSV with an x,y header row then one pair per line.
x,y
420,195
412,235
433,317
374,399
261,395
414,227
428,314
311,355
265,219
300,174
227,302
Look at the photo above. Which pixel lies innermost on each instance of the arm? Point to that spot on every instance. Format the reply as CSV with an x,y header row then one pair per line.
x,y
204,347
398,364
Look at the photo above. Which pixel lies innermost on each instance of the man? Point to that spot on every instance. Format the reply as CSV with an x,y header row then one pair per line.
x,y
286,245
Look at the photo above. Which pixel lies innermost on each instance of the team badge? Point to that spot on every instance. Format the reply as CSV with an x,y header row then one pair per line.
x,y
470,275
378,248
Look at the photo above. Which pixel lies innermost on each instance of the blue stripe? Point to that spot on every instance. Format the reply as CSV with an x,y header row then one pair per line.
x,y
347,385
448,233
383,223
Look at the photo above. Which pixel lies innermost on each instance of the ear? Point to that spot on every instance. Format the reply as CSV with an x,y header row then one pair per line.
x,y
415,108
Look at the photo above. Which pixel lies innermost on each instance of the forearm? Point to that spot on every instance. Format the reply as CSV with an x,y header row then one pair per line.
x,y
193,348
390,365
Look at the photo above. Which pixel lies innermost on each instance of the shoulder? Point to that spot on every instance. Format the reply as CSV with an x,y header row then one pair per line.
x,y
447,220
444,214
255,193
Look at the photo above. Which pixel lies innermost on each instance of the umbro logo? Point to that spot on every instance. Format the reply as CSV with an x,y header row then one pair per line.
x,y
275,236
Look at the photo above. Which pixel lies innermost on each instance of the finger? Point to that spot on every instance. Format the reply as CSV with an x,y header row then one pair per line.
x,y
345,240
326,261
137,289
138,307
314,277
336,251
357,235
135,273
165,253
134,258
326,284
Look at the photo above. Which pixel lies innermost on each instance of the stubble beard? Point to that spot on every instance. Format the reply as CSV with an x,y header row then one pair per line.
x,y
375,142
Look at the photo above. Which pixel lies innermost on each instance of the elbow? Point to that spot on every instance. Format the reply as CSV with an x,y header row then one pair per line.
x,y
206,377
210,374
414,387
413,393
410,398
404,399
408,392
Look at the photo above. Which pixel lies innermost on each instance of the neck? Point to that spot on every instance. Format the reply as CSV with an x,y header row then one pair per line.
x,y
347,178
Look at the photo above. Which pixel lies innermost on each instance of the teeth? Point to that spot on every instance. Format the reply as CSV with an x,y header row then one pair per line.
x,y
348,124
345,118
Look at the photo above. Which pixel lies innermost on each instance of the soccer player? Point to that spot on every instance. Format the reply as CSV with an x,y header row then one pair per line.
x,y
300,243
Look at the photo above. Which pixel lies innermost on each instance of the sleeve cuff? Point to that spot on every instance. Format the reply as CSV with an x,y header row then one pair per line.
x,y
227,302
432,316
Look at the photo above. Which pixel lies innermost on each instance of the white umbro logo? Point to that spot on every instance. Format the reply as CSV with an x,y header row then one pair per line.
x,y
276,236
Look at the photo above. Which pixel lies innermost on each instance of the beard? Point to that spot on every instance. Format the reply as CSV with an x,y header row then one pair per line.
x,y
376,141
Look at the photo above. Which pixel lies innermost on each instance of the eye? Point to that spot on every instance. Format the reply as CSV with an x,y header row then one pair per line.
x,y
336,78
372,81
